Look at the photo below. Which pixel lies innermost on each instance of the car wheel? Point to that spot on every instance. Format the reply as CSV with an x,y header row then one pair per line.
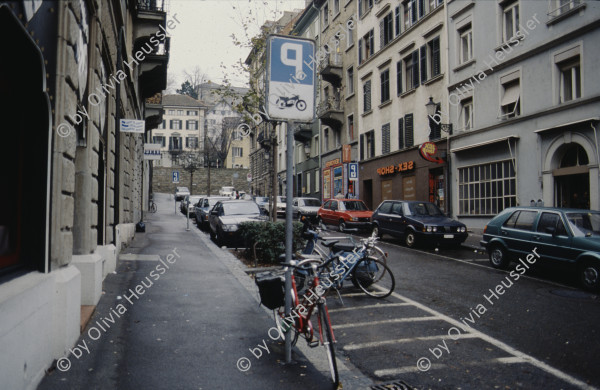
x,y
219,239
212,234
410,239
375,232
499,257
342,225
590,275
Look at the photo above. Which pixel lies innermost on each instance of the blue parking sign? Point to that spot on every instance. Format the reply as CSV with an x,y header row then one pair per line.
x,y
353,171
290,78
175,176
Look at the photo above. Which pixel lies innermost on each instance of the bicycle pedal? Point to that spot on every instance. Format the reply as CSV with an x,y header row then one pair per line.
x,y
313,344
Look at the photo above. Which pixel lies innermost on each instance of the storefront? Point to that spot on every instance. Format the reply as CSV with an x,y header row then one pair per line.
x,y
340,178
415,174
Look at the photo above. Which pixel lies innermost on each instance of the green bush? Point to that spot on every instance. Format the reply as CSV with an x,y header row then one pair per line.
x,y
269,238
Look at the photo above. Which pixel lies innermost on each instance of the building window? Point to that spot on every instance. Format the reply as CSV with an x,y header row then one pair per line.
x,y
237,152
179,112
411,73
366,47
367,96
487,189
466,44
326,140
192,113
510,20
174,143
569,67
171,112
563,6
397,16
409,139
163,124
336,7
386,30
325,15
337,138
350,127
410,13
434,58
350,81
364,6
175,124
466,114
370,135
399,77
350,32
510,105
385,138
191,125
159,139
385,85
191,142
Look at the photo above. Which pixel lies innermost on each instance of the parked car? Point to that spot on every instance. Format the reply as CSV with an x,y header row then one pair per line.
x,y
561,237
417,223
227,191
281,206
346,213
188,202
202,210
226,216
180,193
263,203
306,207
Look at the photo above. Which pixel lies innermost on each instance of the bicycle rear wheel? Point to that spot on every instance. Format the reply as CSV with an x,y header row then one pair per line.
x,y
153,207
376,253
374,278
328,340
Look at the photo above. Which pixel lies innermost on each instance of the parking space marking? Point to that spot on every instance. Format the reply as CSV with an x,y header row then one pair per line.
x,y
374,344
414,369
517,355
376,306
391,321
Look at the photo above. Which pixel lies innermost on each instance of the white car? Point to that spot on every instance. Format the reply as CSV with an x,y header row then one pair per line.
x,y
227,191
281,206
306,207
181,192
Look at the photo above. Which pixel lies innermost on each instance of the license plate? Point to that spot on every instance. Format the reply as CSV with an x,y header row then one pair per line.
x,y
448,235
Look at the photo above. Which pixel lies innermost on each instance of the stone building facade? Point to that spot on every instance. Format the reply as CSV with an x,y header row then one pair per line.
x,y
74,184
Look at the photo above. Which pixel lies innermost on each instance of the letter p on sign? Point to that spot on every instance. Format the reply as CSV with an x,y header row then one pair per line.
x,y
294,60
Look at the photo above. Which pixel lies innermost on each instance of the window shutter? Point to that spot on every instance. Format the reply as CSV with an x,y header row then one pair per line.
x,y
372,134
435,56
421,8
362,146
408,130
385,138
401,133
360,7
423,64
360,51
371,43
171,124
399,77
381,33
170,142
397,17
415,65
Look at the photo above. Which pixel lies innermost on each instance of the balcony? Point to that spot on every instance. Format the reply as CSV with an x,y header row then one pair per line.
x,y
303,133
330,69
153,111
331,112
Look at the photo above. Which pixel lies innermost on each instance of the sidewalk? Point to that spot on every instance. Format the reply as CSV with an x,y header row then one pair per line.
x,y
178,314
475,236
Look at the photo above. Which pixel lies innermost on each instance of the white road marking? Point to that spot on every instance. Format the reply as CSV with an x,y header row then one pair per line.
x,y
390,321
376,306
137,257
413,369
499,344
353,347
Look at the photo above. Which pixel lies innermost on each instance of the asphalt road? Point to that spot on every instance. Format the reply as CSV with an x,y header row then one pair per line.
x,y
448,325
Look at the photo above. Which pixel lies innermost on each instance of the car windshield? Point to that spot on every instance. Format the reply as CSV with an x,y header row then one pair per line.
x,y
353,205
213,201
312,202
194,199
182,189
240,208
281,199
424,209
585,224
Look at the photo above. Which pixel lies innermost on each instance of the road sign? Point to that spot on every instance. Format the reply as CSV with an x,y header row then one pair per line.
x,y
152,151
249,177
175,176
290,78
353,171
132,126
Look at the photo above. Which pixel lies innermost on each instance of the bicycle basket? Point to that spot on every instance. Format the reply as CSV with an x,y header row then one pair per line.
x,y
271,288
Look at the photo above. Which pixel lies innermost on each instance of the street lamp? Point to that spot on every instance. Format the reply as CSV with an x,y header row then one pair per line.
x,y
432,113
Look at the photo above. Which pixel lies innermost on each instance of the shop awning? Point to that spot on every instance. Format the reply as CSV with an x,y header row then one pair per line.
x,y
484,143
568,124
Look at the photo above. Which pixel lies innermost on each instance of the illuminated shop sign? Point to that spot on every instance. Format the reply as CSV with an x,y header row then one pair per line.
x,y
400,167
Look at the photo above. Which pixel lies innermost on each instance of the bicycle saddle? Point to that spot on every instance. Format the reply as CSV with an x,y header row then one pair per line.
x,y
331,243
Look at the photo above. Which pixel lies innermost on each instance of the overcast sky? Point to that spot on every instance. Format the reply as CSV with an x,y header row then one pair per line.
x,y
203,37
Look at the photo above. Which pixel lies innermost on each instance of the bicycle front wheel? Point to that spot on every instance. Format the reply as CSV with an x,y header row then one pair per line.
x,y
153,207
374,278
328,340
376,253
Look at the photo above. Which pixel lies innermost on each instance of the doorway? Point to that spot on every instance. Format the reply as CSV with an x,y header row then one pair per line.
x,y
367,193
572,178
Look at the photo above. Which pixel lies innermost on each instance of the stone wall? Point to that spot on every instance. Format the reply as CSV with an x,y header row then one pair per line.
x,y
162,180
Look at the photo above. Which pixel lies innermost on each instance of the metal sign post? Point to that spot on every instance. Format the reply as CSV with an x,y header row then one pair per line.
x,y
290,97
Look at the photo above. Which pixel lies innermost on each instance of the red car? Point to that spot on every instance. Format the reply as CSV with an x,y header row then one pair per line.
x,y
346,213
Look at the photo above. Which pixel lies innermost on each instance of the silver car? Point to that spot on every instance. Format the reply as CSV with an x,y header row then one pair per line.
x,y
306,207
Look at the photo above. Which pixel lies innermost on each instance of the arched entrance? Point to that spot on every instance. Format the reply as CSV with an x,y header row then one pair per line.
x,y
572,178
570,172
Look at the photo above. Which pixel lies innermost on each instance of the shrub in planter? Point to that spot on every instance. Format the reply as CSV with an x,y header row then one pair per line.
x,y
268,238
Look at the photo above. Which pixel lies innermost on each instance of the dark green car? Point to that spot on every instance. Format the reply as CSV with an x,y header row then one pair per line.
x,y
555,236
